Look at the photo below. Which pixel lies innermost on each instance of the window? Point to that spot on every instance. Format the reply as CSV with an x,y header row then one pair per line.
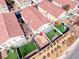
x,y
5,45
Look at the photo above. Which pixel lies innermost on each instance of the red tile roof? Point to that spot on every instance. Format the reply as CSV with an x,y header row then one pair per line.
x,y
12,25
2,2
34,18
71,3
78,0
3,31
9,27
51,8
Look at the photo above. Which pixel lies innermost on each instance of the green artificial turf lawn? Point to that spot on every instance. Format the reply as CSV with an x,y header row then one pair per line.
x,y
12,55
60,28
51,34
27,48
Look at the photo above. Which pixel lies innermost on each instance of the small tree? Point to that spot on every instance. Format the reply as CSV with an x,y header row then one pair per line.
x,y
57,23
66,7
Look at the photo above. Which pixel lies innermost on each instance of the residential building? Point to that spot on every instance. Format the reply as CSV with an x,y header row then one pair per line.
x,y
50,10
66,2
12,31
34,18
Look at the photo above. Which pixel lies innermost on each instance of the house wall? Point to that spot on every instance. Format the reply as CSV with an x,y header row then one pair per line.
x,y
4,8
15,41
43,28
25,3
36,1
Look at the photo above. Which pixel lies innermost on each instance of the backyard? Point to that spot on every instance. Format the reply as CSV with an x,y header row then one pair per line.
x,y
52,34
12,54
62,28
27,48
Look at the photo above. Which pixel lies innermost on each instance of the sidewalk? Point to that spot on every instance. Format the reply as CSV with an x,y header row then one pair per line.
x,y
70,51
